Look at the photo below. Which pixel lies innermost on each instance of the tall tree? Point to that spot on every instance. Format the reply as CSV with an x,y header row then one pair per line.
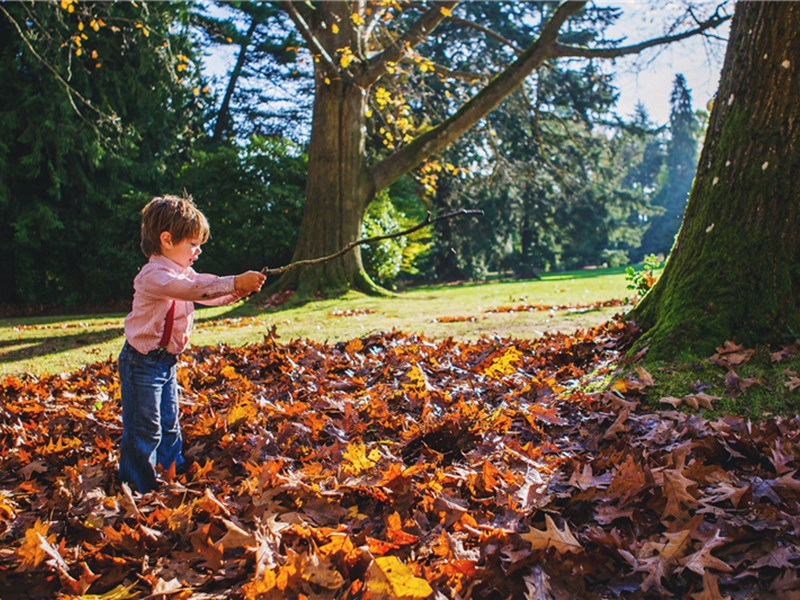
x,y
353,51
734,272
681,163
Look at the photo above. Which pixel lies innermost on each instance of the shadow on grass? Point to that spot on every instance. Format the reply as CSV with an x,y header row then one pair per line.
x,y
27,348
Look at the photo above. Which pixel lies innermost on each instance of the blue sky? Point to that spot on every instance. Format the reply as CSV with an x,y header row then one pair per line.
x,y
648,77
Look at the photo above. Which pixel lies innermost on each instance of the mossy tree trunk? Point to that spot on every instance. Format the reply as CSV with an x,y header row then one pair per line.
x,y
734,272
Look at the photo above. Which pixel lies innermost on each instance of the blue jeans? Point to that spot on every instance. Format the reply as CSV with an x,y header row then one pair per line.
x,y
151,432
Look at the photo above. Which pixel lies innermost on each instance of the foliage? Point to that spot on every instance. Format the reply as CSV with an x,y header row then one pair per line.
x,y
253,197
383,259
641,280
404,467
267,89
680,166
93,123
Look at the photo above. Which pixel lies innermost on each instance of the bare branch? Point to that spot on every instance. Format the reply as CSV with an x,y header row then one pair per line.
x,y
561,50
377,238
377,65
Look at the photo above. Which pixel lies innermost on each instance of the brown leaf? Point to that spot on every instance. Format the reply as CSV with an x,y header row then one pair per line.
x,y
731,355
702,560
710,589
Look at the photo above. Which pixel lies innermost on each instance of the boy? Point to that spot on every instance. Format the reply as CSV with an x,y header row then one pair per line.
x,y
157,330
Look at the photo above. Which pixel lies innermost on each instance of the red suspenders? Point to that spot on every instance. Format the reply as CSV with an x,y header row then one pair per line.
x,y
168,326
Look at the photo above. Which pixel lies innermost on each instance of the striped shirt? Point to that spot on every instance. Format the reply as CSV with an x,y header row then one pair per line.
x,y
160,282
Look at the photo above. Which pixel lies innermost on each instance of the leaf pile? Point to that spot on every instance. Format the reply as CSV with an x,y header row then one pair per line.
x,y
393,466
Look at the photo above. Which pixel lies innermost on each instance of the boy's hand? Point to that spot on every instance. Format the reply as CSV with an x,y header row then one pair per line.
x,y
249,282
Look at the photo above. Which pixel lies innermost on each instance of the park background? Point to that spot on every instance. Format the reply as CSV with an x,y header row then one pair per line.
x,y
476,450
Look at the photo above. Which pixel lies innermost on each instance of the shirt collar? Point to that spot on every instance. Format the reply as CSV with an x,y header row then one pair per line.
x,y
162,261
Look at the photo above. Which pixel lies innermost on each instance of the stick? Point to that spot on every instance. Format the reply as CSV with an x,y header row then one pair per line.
x,y
376,238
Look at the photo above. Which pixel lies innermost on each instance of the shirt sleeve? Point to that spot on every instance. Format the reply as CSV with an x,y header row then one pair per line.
x,y
190,286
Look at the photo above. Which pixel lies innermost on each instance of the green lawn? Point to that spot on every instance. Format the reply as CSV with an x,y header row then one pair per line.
x,y
55,344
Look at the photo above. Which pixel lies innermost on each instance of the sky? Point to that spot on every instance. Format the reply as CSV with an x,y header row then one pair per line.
x,y
648,77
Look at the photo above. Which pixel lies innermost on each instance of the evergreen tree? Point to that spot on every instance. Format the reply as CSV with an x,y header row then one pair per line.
x,y
681,163
99,103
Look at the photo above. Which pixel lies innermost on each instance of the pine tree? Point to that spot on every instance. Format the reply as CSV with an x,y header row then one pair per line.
x,y
681,163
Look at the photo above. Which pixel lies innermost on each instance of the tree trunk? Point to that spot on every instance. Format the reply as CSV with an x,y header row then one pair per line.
x,y
338,191
734,272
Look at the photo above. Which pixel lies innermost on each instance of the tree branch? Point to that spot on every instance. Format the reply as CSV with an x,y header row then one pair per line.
x,y
414,35
480,105
70,91
312,41
488,32
561,50
315,261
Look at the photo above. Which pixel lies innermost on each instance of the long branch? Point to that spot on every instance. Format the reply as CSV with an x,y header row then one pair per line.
x,y
562,50
377,238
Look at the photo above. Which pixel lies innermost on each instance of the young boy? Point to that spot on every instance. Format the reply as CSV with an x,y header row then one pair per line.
x,y
157,330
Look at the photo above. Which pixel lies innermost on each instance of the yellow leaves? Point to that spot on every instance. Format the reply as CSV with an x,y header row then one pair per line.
x,y
382,97
446,12
183,63
334,28
562,541
390,579
504,364
357,19
68,5
346,57
61,445
358,460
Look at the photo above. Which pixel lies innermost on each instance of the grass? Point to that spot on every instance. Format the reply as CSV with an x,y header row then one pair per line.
x,y
46,345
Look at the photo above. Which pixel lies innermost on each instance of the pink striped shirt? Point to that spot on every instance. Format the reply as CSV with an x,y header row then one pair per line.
x,y
160,282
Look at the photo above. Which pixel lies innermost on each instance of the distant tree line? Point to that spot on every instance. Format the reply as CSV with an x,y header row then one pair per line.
x,y
105,105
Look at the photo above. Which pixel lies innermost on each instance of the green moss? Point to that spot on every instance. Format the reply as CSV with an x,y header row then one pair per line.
x,y
689,374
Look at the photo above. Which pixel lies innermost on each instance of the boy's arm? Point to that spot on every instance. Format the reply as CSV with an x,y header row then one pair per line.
x,y
203,288
244,284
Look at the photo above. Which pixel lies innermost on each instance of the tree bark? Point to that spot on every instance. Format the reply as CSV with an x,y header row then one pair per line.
x,y
338,189
734,272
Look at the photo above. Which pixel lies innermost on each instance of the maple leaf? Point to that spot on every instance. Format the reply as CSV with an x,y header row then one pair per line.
x,y
552,537
702,560
357,458
794,381
675,486
629,479
390,579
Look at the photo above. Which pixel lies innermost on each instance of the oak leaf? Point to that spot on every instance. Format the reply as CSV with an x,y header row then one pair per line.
x,y
702,560
552,537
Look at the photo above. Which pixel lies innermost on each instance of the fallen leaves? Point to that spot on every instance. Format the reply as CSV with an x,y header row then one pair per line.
x,y
393,466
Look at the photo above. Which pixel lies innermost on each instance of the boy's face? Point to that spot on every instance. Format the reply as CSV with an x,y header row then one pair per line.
x,y
184,252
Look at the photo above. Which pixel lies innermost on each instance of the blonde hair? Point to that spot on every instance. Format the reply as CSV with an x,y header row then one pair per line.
x,y
176,214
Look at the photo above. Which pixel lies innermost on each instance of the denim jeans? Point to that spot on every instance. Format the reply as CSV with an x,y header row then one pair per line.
x,y
151,432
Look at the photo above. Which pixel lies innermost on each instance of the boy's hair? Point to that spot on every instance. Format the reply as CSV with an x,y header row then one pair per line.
x,y
176,214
